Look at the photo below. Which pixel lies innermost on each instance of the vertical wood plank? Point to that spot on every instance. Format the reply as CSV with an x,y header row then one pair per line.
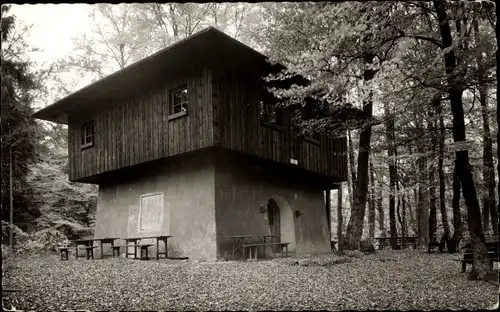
x,y
168,124
215,95
113,123
156,126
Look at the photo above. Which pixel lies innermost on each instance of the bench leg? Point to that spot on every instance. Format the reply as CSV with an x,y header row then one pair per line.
x,y
157,250
464,265
64,254
90,253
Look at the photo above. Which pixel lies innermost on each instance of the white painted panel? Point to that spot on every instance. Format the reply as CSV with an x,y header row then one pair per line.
x,y
151,213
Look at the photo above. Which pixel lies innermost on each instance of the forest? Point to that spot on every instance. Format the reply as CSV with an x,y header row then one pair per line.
x,y
424,161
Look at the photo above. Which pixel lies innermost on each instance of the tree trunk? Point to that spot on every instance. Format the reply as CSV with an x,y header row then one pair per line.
x,y
352,168
380,209
355,227
398,211
432,183
442,181
389,133
411,215
481,264
497,208
173,21
404,229
422,204
489,206
371,204
340,220
457,216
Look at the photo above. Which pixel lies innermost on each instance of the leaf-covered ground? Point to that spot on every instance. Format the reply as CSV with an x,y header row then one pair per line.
x,y
395,280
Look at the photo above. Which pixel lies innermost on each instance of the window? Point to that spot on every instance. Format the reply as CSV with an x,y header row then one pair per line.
x,y
178,102
151,212
271,115
313,138
88,135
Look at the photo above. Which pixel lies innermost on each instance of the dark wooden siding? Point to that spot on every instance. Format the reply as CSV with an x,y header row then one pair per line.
x,y
237,127
137,129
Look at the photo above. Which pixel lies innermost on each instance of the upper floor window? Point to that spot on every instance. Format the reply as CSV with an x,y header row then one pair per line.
x,y
313,138
178,102
88,135
271,115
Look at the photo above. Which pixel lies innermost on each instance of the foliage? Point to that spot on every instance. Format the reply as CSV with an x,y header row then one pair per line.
x,y
19,131
64,205
403,280
40,242
43,196
126,33
328,42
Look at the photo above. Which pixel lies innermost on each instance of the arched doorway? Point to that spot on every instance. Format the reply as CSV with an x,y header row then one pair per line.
x,y
274,219
282,219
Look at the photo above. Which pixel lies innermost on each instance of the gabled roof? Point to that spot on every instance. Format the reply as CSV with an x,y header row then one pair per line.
x,y
201,48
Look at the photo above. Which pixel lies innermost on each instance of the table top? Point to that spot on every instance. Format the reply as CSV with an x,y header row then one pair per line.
x,y
148,237
254,235
398,237
85,240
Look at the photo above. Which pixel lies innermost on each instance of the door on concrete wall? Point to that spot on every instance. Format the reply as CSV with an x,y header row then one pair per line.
x,y
274,221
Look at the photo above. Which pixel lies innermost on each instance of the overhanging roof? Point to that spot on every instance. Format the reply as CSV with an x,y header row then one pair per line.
x,y
201,48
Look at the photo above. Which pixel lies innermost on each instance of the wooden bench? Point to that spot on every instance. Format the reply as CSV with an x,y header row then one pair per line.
x,y
6,305
469,258
256,246
433,245
401,242
143,250
64,251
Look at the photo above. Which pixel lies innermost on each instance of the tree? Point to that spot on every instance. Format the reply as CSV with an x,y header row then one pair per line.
x,y
119,37
389,125
481,264
488,165
441,177
19,131
64,205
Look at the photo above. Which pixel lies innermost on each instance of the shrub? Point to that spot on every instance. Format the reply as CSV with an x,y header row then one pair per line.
x,y
354,253
367,247
42,242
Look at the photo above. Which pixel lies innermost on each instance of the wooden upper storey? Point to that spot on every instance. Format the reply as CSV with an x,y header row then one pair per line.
x,y
208,99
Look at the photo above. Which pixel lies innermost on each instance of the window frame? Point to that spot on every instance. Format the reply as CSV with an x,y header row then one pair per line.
x,y
266,110
85,136
172,105
313,138
160,217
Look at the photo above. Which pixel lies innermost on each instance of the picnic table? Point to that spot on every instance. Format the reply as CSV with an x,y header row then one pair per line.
x,y
402,241
87,244
265,241
144,247
103,241
468,257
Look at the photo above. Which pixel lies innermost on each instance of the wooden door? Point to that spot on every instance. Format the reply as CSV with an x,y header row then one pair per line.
x,y
274,221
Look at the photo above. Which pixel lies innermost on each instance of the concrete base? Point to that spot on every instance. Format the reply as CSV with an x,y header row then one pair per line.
x,y
203,198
